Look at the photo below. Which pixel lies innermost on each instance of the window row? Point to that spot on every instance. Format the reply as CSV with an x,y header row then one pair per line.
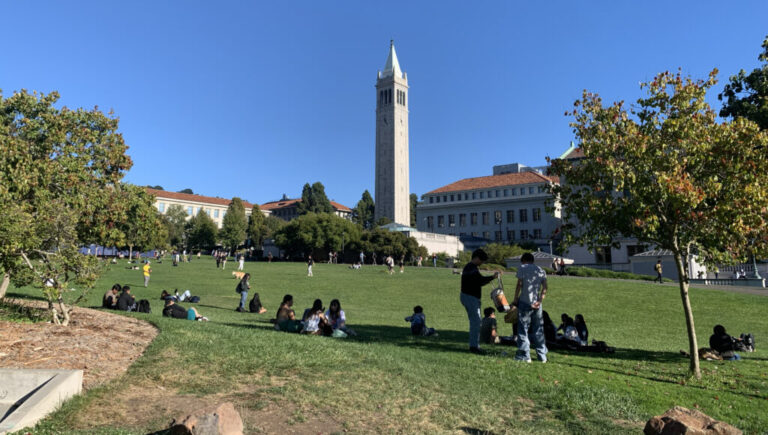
x,y
385,97
497,193
498,218
510,235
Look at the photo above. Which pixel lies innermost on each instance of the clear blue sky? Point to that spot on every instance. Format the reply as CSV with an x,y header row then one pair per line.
x,y
254,99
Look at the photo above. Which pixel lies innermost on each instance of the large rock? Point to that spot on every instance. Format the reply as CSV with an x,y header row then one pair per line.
x,y
220,419
679,420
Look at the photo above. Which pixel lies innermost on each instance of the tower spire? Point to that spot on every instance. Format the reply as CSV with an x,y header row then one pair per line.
x,y
392,67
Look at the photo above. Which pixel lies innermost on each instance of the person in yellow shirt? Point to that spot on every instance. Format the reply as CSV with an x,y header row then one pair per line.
x,y
147,270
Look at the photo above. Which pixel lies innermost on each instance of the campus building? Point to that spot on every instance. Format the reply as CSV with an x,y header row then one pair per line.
x,y
392,194
192,204
507,207
287,209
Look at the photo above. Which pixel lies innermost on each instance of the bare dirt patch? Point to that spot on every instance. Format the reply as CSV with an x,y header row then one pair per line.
x,y
100,343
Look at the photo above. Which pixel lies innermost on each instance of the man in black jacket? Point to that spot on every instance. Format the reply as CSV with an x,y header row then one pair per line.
x,y
126,301
471,283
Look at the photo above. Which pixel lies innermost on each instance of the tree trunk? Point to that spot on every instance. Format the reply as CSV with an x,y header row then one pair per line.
x,y
4,286
130,253
693,347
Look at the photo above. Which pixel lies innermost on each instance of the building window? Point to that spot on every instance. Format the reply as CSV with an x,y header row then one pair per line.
x,y
452,199
506,192
485,218
474,195
536,214
451,220
523,234
474,233
473,218
490,194
603,255
189,210
523,215
510,216
497,217
463,220
215,213
466,196
161,207
530,190
430,222
441,221
498,193
510,235
513,191
431,199
487,235
522,191
498,236
482,195
208,211
542,189
445,198
537,233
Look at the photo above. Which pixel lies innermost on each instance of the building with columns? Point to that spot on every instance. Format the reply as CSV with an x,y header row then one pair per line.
x,y
392,186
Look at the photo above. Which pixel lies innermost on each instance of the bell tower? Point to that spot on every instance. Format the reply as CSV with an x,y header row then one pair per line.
x,y
392,185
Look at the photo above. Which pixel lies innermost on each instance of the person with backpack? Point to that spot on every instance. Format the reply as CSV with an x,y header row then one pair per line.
x,y
242,287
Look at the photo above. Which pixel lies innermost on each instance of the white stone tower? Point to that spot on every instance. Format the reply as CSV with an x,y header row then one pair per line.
x,y
392,186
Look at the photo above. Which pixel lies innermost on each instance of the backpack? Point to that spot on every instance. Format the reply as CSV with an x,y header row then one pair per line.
x,y
193,299
143,306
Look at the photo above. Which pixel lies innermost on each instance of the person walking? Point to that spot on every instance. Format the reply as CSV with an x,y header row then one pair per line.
x,y
224,256
242,287
310,263
434,260
241,262
471,284
658,268
362,258
529,293
147,270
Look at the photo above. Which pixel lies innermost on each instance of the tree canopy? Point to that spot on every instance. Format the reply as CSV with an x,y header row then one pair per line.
x,y
364,211
316,231
667,173
747,94
414,203
187,190
234,225
314,200
257,228
201,231
59,169
175,219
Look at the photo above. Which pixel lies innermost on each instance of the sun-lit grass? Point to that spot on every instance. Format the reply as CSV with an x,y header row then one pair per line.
x,y
385,380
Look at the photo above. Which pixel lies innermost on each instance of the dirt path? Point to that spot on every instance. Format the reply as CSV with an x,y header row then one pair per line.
x,y
100,343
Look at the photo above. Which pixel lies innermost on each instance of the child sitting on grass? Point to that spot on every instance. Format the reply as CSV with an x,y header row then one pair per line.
x,y
419,323
488,329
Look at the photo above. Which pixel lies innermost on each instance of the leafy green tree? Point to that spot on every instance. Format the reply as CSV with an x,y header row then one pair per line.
x,y
498,253
395,243
747,94
175,221
257,228
201,232
59,169
314,200
156,187
143,226
187,190
316,231
364,211
666,172
382,221
414,203
234,225
272,225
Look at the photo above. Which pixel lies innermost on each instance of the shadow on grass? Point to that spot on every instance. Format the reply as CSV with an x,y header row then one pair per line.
x,y
14,295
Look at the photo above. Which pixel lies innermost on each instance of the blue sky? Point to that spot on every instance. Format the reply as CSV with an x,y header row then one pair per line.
x,y
254,99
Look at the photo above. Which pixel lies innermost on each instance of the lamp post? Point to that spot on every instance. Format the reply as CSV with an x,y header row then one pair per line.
x,y
754,265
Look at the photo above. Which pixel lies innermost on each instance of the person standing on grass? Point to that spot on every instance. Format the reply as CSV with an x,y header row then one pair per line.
x,y
434,260
658,268
224,256
147,270
471,286
362,258
241,262
310,263
529,293
242,287
402,263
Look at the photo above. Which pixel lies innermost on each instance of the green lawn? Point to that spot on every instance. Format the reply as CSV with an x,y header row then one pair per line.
x,y
384,380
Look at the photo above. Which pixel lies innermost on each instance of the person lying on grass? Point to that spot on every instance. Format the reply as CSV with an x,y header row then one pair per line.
x,y
110,297
285,320
175,311
419,323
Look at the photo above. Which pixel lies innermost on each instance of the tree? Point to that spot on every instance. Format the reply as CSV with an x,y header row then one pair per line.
x,y
175,221
201,231
234,225
316,231
395,243
257,229
414,203
187,190
143,226
364,211
747,94
59,170
314,200
272,225
155,187
665,172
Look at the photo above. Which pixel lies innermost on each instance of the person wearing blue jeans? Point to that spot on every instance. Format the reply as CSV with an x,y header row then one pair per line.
x,y
471,284
242,287
529,293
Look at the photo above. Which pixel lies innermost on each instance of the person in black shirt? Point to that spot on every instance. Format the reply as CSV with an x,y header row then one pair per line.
x,y
126,301
471,283
723,344
178,312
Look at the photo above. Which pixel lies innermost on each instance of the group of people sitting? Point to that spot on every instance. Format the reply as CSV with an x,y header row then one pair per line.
x,y
315,320
723,346
119,298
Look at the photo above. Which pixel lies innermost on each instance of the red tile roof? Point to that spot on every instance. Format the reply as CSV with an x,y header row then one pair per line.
x,y
192,197
496,181
290,202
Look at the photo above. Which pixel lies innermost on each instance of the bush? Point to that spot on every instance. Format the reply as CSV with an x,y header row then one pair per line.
x,y
600,273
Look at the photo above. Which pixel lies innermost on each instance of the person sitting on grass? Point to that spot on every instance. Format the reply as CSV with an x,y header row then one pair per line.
x,y
419,323
255,305
175,311
488,329
723,343
110,297
285,320
570,334
581,329
126,301
314,320
337,319
164,296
